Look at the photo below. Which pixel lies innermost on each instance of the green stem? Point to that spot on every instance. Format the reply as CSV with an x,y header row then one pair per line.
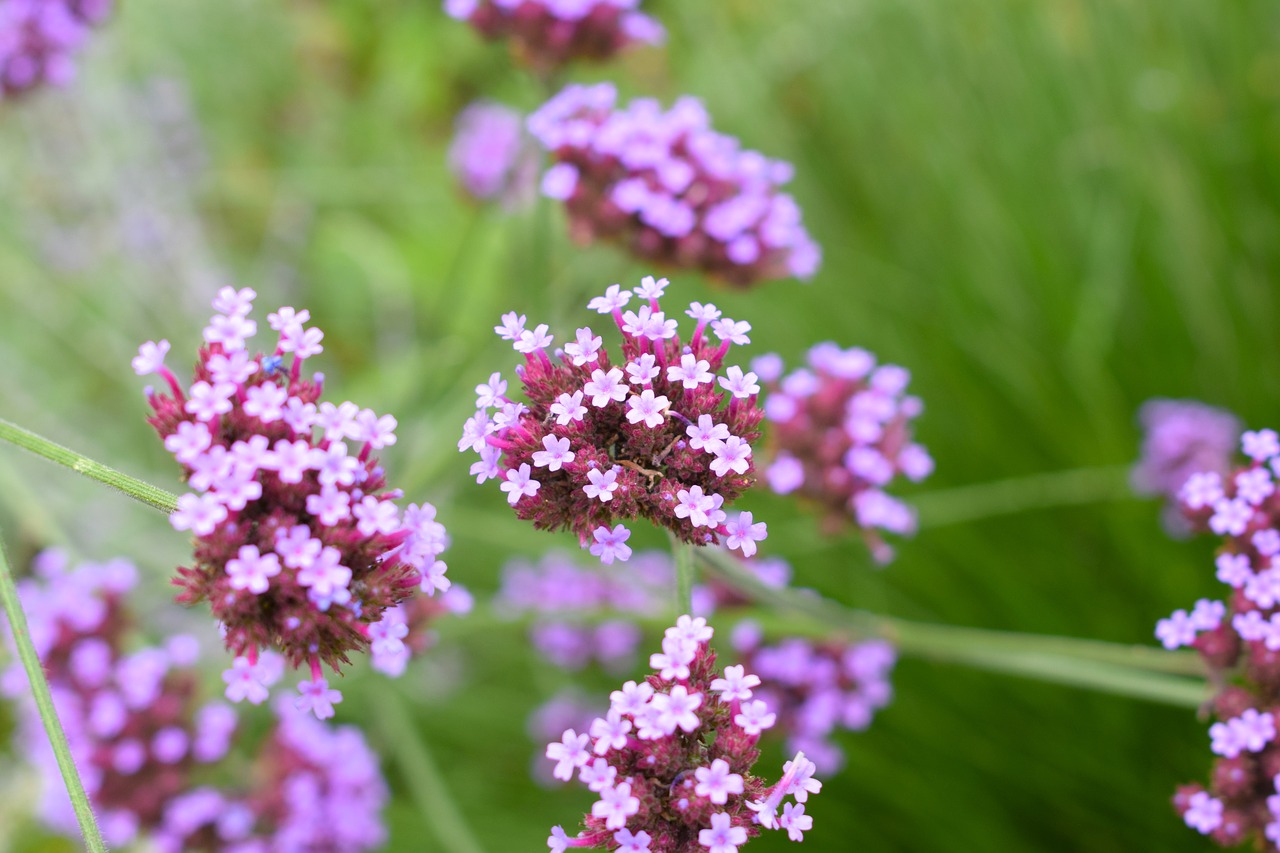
x,y
426,784
683,553
1137,671
44,704
1020,494
131,486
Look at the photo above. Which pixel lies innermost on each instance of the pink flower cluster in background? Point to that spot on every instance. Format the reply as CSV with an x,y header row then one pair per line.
x,y
670,189
491,155
656,432
39,37
140,736
300,546
547,34
841,434
818,687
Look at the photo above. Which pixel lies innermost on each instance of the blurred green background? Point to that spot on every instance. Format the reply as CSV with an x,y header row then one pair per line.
x,y
1049,212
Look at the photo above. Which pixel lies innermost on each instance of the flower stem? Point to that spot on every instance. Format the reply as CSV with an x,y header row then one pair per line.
x,y
1137,671
422,774
44,705
1019,494
683,554
131,486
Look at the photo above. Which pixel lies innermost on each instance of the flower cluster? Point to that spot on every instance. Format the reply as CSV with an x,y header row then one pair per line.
x,y
138,736
38,38
299,544
842,432
817,688
671,189
546,34
1239,640
584,614
131,717
656,434
491,156
672,760
1181,438
316,788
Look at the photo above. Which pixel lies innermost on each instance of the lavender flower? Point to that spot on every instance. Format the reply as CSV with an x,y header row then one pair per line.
x,y
492,157
669,188
578,457
39,37
1239,640
299,545
672,760
547,34
842,433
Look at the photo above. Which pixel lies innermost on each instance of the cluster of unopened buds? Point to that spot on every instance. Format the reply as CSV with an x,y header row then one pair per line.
x,y
139,735
300,546
841,434
671,189
672,760
654,433
38,38
586,614
817,688
546,34
1239,641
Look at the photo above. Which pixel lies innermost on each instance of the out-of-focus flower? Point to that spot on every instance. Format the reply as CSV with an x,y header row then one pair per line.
x,y
39,37
139,736
818,687
672,760
669,188
491,155
585,614
658,434
841,434
547,34
299,544
1181,438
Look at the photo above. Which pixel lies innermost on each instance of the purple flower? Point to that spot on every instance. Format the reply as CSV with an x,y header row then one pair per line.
x,y
687,764
547,34
38,39
299,545
491,156
672,190
671,450
842,429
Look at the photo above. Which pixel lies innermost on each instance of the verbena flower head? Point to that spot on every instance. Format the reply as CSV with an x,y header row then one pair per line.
x,y
586,614
547,34
817,688
316,788
491,155
669,188
1239,640
300,546
841,433
39,37
141,738
660,429
672,760
130,711
1181,438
